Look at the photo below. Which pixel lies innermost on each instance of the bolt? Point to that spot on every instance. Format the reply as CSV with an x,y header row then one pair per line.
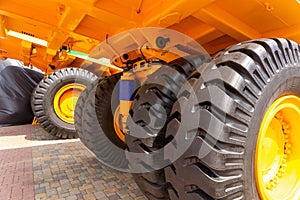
x,y
283,161
287,151
280,174
285,127
282,170
278,115
273,184
269,186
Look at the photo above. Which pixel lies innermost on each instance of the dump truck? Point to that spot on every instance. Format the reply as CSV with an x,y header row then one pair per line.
x,y
204,106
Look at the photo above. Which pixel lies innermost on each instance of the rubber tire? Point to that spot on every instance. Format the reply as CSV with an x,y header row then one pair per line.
x,y
43,96
105,109
160,88
85,117
89,128
253,75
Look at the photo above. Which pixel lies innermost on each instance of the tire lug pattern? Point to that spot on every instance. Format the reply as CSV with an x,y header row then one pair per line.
x,y
249,74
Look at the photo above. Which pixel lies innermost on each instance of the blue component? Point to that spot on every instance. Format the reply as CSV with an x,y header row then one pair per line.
x,y
126,90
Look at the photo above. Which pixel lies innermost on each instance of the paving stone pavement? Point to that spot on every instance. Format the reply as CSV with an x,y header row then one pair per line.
x,y
65,169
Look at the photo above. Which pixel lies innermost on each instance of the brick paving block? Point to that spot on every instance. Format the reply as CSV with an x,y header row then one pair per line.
x,y
124,196
114,197
5,192
64,195
41,196
51,192
89,196
40,190
28,196
75,191
16,193
128,198
99,194
72,197
75,182
54,185
79,196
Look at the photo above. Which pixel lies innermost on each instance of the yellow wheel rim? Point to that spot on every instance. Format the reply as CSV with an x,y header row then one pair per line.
x,y
65,101
117,122
277,163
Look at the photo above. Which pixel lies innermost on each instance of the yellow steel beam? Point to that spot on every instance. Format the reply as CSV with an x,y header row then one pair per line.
x,y
170,12
201,32
26,52
69,21
205,33
88,8
89,43
226,23
27,19
292,32
220,43
2,27
112,19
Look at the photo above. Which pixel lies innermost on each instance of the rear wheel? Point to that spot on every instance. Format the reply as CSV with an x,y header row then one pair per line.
x,y
247,142
54,100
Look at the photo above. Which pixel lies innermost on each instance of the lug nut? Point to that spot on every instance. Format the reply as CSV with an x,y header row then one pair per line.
x,y
269,186
280,175
287,151
273,184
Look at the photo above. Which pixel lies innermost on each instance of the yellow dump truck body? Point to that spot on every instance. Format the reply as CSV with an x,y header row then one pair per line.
x,y
81,25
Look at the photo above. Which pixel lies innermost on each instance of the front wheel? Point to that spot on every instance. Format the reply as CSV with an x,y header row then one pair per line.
x,y
247,140
54,99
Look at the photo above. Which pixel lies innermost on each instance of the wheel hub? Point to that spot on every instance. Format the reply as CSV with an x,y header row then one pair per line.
x,y
65,101
277,153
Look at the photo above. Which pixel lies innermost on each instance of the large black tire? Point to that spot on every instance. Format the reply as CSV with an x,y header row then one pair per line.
x,y
90,130
234,93
43,97
105,110
161,88
85,117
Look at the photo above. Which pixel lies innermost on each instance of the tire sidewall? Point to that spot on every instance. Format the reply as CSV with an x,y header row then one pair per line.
x,y
110,86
